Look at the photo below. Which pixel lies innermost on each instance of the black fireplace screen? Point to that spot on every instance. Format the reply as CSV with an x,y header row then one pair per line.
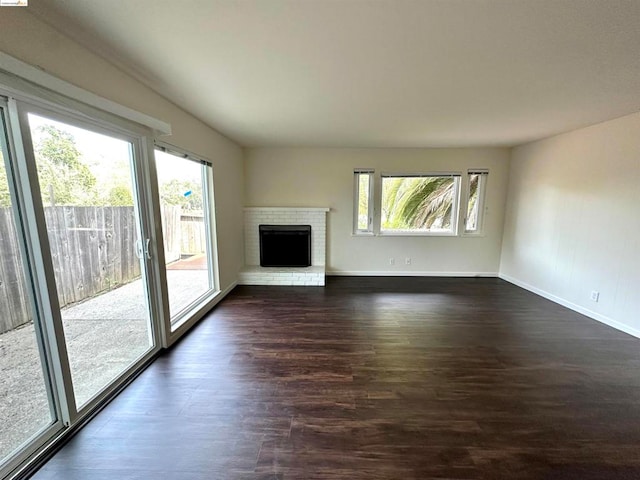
x,y
285,245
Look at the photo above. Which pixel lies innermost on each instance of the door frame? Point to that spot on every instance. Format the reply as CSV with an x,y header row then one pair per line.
x,y
8,137
39,247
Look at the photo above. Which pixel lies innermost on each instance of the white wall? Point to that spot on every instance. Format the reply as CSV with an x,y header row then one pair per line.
x,y
573,220
323,177
25,37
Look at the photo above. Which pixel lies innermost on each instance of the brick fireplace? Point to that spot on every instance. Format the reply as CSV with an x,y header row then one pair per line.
x,y
254,274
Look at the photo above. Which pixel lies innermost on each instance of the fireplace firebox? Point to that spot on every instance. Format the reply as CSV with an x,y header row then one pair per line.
x,y
285,245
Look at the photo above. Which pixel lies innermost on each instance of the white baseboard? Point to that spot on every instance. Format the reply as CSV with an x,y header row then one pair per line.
x,y
411,273
573,306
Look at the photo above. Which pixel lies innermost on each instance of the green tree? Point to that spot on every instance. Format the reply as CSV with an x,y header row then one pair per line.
x,y
64,178
184,193
472,205
120,196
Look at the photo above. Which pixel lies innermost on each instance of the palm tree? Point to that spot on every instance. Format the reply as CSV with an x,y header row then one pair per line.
x,y
422,202
472,205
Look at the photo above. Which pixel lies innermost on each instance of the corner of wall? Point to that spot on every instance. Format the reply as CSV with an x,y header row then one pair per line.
x,y
507,203
570,231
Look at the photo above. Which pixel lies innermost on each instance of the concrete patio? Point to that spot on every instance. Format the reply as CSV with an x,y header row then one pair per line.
x,y
104,335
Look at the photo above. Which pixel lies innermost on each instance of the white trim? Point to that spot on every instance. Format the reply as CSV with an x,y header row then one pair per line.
x,y
174,322
415,233
572,306
419,175
23,460
298,209
367,273
356,202
39,77
481,203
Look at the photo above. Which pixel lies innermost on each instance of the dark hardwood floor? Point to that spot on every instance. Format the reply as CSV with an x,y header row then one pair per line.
x,y
376,378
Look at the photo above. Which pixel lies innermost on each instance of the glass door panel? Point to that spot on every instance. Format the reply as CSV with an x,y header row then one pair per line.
x,y
185,227
89,199
26,405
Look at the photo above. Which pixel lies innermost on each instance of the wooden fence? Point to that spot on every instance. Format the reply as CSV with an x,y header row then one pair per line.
x,y
93,251
171,232
92,248
192,233
14,304
184,232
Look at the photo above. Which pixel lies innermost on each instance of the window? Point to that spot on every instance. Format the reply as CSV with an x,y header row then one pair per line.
x,y
78,300
363,201
420,203
84,299
475,200
88,196
27,404
183,184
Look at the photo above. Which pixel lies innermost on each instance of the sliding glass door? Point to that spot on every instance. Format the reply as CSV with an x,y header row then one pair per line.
x,y
85,296
183,185
27,405
76,309
88,195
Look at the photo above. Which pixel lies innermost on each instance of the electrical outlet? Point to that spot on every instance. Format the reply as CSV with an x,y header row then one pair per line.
x,y
392,261
407,261
595,295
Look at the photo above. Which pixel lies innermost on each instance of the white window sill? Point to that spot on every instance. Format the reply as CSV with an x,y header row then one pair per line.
x,y
406,233
415,234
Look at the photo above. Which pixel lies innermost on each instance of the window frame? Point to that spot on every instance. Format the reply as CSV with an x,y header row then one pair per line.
x,y
481,202
42,330
44,275
26,191
357,173
182,320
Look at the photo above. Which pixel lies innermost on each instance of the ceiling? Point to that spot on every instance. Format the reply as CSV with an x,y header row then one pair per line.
x,y
373,73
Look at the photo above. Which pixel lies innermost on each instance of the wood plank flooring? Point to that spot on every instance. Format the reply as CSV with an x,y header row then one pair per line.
x,y
376,378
